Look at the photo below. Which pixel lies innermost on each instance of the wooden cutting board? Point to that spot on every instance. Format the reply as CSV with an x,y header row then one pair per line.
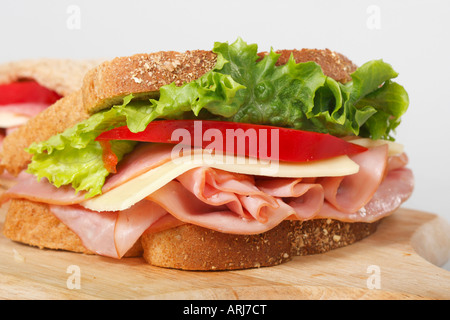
x,y
397,262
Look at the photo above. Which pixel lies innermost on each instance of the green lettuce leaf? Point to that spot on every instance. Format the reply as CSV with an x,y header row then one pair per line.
x,y
82,168
75,158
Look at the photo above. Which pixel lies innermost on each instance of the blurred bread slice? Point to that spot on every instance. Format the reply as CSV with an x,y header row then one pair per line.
x,y
63,76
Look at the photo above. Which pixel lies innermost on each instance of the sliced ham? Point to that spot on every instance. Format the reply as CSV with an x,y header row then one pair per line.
x,y
132,223
304,197
395,189
114,233
109,234
166,222
397,161
349,193
225,201
95,230
238,192
180,203
144,158
28,187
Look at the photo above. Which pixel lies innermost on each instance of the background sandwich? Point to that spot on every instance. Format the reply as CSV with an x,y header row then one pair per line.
x,y
104,193
27,87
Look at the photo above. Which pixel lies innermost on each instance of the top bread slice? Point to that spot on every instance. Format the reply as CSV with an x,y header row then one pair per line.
x,y
140,74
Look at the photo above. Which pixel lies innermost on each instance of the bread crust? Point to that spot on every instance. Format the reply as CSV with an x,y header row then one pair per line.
x,y
190,247
107,84
110,81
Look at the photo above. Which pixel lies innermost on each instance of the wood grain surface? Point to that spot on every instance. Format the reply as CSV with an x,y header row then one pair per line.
x,y
399,261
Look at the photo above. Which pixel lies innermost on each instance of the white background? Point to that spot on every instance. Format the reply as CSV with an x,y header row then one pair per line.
x,y
413,36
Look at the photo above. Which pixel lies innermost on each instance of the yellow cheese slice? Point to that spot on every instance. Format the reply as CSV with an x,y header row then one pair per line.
x,y
135,190
394,147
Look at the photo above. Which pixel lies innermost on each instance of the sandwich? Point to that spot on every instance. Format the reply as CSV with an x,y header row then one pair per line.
x,y
212,160
27,87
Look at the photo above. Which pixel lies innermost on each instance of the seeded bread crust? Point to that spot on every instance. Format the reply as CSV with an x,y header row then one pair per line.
x,y
190,247
109,82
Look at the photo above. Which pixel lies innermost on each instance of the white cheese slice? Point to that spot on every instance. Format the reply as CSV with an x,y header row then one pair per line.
x,y
10,119
137,189
394,147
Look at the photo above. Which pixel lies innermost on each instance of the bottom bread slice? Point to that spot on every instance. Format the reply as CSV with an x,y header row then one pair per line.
x,y
191,247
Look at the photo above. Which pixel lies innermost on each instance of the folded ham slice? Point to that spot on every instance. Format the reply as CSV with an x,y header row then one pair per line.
x,y
238,192
225,201
395,189
181,203
304,197
350,193
109,234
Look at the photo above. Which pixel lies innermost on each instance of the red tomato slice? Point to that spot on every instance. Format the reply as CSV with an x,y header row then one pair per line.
x,y
25,92
259,141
